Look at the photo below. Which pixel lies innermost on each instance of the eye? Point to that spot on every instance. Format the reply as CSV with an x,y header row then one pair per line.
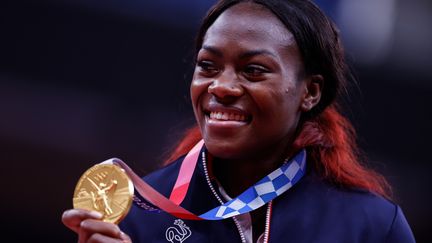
x,y
207,68
255,71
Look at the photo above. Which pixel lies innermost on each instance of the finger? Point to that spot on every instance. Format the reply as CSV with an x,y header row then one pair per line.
x,y
89,227
99,238
72,218
125,237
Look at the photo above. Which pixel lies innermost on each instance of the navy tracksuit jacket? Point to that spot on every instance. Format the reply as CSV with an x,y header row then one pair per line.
x,y
311,211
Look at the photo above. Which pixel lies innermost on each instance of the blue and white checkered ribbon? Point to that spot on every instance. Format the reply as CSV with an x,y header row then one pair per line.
x,y
265,190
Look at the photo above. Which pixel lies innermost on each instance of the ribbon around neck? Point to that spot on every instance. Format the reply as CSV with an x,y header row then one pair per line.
x,y
185,174
265,190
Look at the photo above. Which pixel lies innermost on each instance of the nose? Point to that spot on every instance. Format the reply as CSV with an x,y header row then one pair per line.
x,y
226,87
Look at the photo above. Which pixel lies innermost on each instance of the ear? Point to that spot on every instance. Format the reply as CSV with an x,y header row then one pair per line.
x,y
312,95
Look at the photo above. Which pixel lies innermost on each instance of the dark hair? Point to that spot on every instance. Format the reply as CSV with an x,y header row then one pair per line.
x,y
329,137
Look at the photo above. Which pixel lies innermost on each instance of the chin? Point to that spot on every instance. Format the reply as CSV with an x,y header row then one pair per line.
x,y
224,149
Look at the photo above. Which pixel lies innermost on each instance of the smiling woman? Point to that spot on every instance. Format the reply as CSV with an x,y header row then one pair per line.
x,y
253,72
277,154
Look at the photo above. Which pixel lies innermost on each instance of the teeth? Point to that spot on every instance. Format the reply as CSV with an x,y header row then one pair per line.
x,y
227,116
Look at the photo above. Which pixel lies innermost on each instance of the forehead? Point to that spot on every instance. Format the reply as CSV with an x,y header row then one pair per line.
x,y
250,22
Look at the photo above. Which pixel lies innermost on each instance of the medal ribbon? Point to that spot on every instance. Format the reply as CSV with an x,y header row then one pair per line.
x,y
265,190
185,174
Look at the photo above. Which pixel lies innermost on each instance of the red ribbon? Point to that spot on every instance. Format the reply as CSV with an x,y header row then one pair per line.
x,y
179,190
185,174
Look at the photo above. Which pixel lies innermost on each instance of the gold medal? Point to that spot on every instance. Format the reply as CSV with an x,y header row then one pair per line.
x,y
107,189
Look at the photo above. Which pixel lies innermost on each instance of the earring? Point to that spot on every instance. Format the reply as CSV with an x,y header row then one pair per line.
x,y
307,105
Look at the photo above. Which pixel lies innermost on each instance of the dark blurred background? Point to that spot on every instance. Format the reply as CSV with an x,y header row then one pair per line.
x,y
82,81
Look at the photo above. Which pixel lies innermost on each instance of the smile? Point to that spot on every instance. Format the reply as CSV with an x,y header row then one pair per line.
x,y
225,116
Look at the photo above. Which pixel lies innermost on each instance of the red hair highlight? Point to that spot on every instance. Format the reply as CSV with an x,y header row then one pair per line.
x,y
191,137
331,143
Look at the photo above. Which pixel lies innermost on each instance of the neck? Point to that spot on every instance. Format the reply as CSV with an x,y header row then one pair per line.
x,y
238,175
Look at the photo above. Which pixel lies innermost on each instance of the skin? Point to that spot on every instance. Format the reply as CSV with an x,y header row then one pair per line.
x,y
249,69
91,229
249,66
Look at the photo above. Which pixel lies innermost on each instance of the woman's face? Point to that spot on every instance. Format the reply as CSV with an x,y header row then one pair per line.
x,y
246,92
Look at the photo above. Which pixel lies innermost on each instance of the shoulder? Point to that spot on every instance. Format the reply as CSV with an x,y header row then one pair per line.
x,y
355,202
375,216
344,214
163,179
170,170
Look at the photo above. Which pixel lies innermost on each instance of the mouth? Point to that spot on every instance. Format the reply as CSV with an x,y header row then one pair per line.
x,y
227,116
222,117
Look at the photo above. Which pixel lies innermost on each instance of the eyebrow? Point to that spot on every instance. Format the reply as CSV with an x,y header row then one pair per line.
x,y
213,50
244,55
252,53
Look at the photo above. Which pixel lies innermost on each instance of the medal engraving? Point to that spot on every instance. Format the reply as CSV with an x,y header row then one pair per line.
x,y
107,189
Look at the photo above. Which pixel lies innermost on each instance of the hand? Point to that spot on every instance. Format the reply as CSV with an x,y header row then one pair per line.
x,y
90,228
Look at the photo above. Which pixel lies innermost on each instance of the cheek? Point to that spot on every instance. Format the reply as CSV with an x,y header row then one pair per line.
x,y
198,88
278,105
272,100
290,96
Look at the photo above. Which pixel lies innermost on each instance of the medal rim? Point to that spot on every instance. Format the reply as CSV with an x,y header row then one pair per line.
x,y
129,185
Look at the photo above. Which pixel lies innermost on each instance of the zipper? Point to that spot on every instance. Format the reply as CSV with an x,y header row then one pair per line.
x,y
236,222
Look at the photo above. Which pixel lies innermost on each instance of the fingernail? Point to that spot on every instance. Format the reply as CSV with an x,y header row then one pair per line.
x,y
95,214
123,236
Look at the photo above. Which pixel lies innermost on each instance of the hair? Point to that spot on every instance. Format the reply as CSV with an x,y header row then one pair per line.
x,y
328,136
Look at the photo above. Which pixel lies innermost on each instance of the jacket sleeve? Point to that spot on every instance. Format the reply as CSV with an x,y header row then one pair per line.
x,y
400,231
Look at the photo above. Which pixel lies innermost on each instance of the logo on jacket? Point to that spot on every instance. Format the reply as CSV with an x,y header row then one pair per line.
x,y
178,233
